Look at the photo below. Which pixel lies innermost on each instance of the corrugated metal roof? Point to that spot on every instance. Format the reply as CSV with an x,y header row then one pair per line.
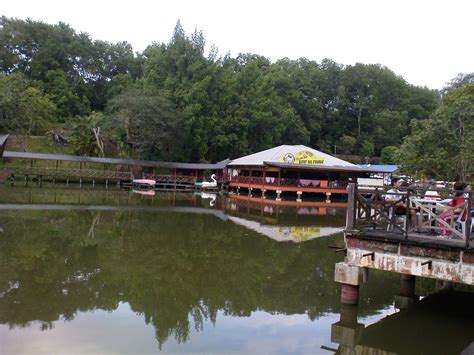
x,y
316,167
379,168
148,163
276,155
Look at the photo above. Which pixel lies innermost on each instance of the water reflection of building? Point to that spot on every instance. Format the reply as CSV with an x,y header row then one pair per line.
x,y
283,221
293,222
286,233
301,213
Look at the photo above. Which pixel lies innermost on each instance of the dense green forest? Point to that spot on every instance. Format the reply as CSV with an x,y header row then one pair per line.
x,y
177,101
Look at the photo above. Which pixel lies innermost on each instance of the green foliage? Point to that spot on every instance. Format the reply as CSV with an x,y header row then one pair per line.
x,y
347,144
389,155
23,108
83,137
367,149
442,145
149,123
75,71
459,81
224,107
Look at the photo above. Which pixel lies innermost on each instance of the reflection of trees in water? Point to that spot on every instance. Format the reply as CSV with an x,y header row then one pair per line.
x,y
169,267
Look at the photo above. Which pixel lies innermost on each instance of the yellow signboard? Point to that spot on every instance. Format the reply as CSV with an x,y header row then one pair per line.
x,y
302,157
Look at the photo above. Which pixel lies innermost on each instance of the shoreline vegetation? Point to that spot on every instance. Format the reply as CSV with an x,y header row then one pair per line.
x,y
177,101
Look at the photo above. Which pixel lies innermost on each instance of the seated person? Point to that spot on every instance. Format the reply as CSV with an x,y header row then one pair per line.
x,y
461,190
432,193
400,208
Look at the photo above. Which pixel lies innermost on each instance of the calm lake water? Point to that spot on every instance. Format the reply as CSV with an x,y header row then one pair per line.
x,y
110,271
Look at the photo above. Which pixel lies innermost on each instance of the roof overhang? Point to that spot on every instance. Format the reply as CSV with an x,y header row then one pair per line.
x,y
315,167
354,168
147,163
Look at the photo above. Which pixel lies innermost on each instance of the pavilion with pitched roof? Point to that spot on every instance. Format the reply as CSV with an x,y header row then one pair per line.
x,y
293,168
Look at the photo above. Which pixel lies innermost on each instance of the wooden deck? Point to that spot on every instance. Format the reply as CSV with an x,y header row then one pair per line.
x,y
40,174
63,174
370,215
285,184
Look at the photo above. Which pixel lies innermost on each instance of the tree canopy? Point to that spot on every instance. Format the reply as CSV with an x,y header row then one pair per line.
x,y
177,101
442,145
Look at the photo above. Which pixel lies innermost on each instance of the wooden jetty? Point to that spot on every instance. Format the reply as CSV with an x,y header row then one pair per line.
x,y
69,168
418,243
423,244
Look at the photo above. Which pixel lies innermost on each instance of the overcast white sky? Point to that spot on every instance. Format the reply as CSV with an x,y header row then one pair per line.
x,y
426,42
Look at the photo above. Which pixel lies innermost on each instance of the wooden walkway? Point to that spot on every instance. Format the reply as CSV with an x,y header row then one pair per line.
x,y
64,174
285,184
42,166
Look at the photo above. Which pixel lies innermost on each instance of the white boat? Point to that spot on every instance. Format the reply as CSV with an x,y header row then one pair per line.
x,y
207,184
144,182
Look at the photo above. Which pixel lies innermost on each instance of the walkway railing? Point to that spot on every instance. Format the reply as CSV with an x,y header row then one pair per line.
x,y
408,214
275,181
172,179
71,173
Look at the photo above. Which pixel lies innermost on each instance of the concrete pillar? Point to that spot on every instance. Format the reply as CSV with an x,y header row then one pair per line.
x,y
407,285
278,192
299,193
350,277
407,298
263,193
250,191
349,294
238,190
328,197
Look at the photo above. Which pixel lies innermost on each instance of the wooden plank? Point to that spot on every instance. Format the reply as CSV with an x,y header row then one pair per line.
x,y
350,216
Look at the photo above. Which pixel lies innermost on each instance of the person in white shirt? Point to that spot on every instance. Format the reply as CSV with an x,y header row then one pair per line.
x,y
432,193
394,194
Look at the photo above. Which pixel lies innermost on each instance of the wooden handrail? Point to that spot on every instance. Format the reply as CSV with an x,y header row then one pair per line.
x,y
374,208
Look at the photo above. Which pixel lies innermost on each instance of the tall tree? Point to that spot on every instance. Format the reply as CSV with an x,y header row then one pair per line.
x,y
442,146
151,124
23,108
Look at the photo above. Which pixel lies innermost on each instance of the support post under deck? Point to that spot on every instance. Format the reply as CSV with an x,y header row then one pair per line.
x,y
350,277
407,298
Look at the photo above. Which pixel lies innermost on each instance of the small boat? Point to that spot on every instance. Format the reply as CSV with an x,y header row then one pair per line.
x,y
207,184
144,182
